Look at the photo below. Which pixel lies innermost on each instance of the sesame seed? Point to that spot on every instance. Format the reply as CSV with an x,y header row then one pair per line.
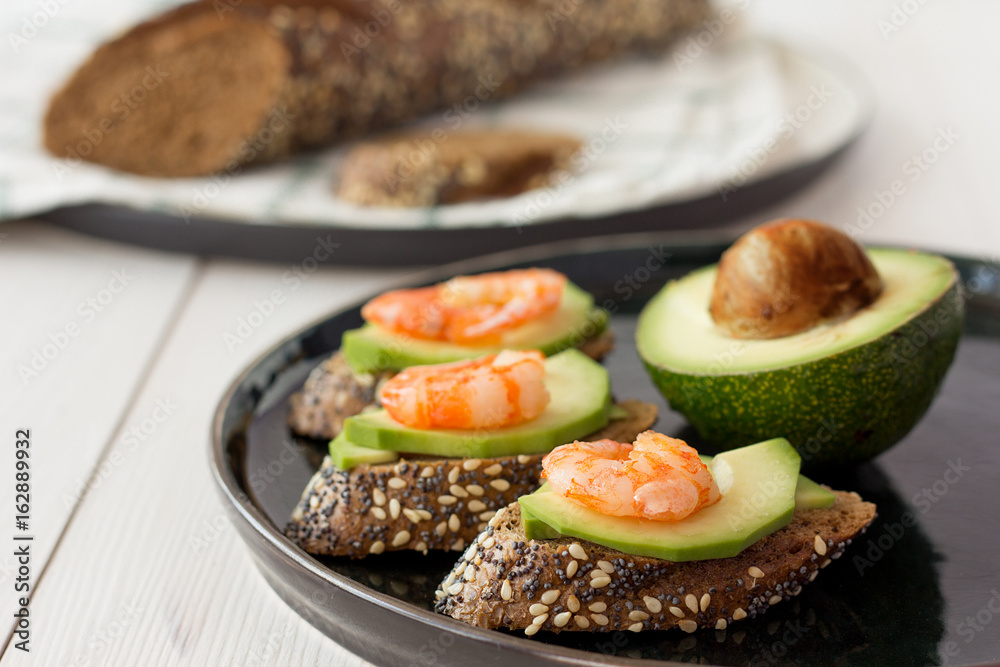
x,y
455,588
562,619
453,475
819,545
377,547
598,607
577,551
378,496
692,602
457,545
441,529
411,514
489,542
454,524
739,614
421,546
677,611
500,484
424,514
600,582
379,513
581,622
475,489
394,508
549,597
505,590
427,472
635,627
494,469
471,464
824,563
687,625
458,491
523,458
774,599
573,603
606,566
653,604
706,600
396,483
637,615
755,572
477,506
447,500
571,569
541,618
537,609
486,516
813,574
600,619
721,624
402,537
532,629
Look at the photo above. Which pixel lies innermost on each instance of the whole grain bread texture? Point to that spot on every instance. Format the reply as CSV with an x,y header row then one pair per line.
x,y
422,503
214,85
505,580
334,391
432,168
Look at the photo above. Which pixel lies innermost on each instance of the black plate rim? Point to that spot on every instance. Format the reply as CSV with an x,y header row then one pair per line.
x,y
270,538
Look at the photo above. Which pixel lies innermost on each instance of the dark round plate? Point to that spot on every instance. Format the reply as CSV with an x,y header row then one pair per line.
x,y
922,586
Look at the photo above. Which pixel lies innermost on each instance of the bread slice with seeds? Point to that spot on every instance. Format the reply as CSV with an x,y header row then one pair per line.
x,y
507,581
334,391
423,504
464,167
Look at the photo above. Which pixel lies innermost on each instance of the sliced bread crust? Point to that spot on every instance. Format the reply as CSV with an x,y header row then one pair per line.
x,y
423,504
507,581
334,391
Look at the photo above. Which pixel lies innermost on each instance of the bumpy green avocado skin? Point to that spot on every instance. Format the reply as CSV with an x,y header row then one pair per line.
x,y
836,411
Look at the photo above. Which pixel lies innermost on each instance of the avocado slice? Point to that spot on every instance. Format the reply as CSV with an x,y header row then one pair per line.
x,y
370,349
808,496
811,496
758,497
580,401
345,454
841,392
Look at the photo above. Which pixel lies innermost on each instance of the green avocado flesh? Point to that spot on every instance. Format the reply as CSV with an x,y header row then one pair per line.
x,y
580,401
811,496
758,485
841,392
370,349
345,454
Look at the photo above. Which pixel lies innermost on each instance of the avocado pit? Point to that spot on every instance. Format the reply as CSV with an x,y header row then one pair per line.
x,y
788,276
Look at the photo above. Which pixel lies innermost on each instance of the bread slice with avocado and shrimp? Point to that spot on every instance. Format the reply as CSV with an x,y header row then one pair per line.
x,y
349,381
424,503
334,391
505,580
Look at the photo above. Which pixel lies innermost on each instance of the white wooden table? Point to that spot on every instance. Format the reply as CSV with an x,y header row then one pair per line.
x,y
133,560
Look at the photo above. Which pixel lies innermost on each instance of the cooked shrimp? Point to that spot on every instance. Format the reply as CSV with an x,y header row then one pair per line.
x,y
470,310
658,477
498,390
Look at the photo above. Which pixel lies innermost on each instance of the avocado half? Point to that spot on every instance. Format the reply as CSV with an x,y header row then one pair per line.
x,y
841,393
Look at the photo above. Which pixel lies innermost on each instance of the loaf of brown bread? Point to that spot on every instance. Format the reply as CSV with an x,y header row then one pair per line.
x,y
505,580
217,84
423,503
